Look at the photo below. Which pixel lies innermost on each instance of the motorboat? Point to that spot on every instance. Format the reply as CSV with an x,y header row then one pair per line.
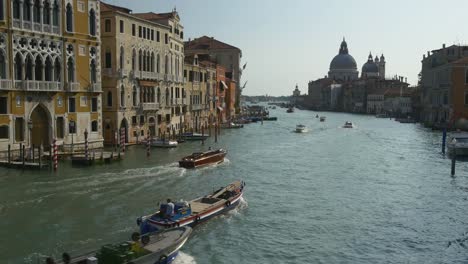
x,y
194,212
322,119
273,118
457,144
199,159
290,110
163,143
152,247
194,136
348,125
231,125
301,129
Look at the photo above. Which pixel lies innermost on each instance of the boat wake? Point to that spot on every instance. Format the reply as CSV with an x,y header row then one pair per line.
x,y
184,258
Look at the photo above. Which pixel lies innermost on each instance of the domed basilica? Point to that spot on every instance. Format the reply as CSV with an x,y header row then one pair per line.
x,y
343,67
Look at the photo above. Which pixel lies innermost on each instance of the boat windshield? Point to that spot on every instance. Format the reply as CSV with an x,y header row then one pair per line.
x,y
462,140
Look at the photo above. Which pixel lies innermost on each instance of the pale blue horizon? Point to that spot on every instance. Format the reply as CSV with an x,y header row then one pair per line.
x,y
285,43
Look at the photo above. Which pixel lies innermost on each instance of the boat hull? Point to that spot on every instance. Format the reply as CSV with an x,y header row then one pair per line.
x,y
192,164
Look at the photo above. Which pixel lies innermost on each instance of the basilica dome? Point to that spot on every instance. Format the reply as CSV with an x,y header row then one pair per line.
x,y
343,61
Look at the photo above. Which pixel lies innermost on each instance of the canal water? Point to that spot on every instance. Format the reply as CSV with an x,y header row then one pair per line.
x,y
379,193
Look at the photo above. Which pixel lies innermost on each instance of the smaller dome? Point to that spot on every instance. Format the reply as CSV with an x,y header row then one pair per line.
x,y
370,66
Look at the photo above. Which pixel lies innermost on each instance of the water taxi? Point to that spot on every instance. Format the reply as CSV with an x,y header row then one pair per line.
x,y
301,129
348,125
199,159
155,247
194,212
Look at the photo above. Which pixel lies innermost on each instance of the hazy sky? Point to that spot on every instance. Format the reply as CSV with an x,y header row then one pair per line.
x,y
289,42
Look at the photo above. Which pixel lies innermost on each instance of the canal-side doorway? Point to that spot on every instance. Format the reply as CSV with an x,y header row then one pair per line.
x,y
40,133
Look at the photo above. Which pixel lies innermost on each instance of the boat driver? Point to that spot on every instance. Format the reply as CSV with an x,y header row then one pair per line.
x,y
169,209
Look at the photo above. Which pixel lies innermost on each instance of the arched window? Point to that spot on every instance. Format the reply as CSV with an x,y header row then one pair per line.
x,y
16,9
93,72
144,60
133,59
48,69
29,67
92,22
69,17
177,66
55,14
158,64
167,96
71,70
46,13
57,70
152,95
2,65
148,61
140,60
122,96
121,60
134,96
37,11
38,68
109,98
159,95
26,11
18,67
152,62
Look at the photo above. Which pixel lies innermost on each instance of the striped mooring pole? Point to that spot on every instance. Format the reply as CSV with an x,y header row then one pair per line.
x,y
55,154
86,147
122,138
148,146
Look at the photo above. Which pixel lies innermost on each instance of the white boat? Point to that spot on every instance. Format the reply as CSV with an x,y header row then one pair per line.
x,y
457,143
301,129
322,119
348,125
163,143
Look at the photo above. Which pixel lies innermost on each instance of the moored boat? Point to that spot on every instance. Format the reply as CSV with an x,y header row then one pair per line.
x,y
322,119
348,125
457,144
199,159
196,211
194,136
231,125
290,110
155,247
301,128
162,143
273,118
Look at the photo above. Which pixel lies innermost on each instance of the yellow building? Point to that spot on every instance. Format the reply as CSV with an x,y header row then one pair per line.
x,y
50,73
142,73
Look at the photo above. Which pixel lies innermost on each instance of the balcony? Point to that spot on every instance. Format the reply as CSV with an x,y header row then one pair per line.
x,y
35,26
96,88
5,85
196,107
149,106
73,87
38,86
123,73
184,101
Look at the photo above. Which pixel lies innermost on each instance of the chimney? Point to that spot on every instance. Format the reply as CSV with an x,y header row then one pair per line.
x,y
428,53
443,46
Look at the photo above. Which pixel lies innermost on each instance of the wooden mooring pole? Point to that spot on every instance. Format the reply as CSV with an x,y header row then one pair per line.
x,y
9,153
454,160
444,138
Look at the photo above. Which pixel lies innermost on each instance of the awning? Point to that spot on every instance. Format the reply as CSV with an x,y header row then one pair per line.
x,y
220,108
224,84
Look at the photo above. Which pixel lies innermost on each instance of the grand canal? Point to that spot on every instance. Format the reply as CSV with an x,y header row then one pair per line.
x,y
380,193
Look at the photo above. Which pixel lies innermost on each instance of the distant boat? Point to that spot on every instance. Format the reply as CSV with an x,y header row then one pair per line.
x,y
155,247
316,116
290,110
322,119
199,159
381,115
273,118
231,125
348,125
162,143
194,136
301,129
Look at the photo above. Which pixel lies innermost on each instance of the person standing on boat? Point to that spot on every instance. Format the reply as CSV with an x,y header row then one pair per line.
x,y
169,209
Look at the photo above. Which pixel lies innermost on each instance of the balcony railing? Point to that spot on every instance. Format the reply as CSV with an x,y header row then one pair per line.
x,y
73,87
149,106
38,86
96,87
5,85
34,26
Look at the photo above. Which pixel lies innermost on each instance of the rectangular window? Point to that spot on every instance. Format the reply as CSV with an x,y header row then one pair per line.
x,y
108,60
83,101
82,50
107,25
140,33
148,33
4,132
166,38
71,127
94,104
3,105
71,105
94,126
19,129
121,26
152,34
190,76
159,119
466,98
134,120
133,30
185,73
59,127
157,36
142,120
144,32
